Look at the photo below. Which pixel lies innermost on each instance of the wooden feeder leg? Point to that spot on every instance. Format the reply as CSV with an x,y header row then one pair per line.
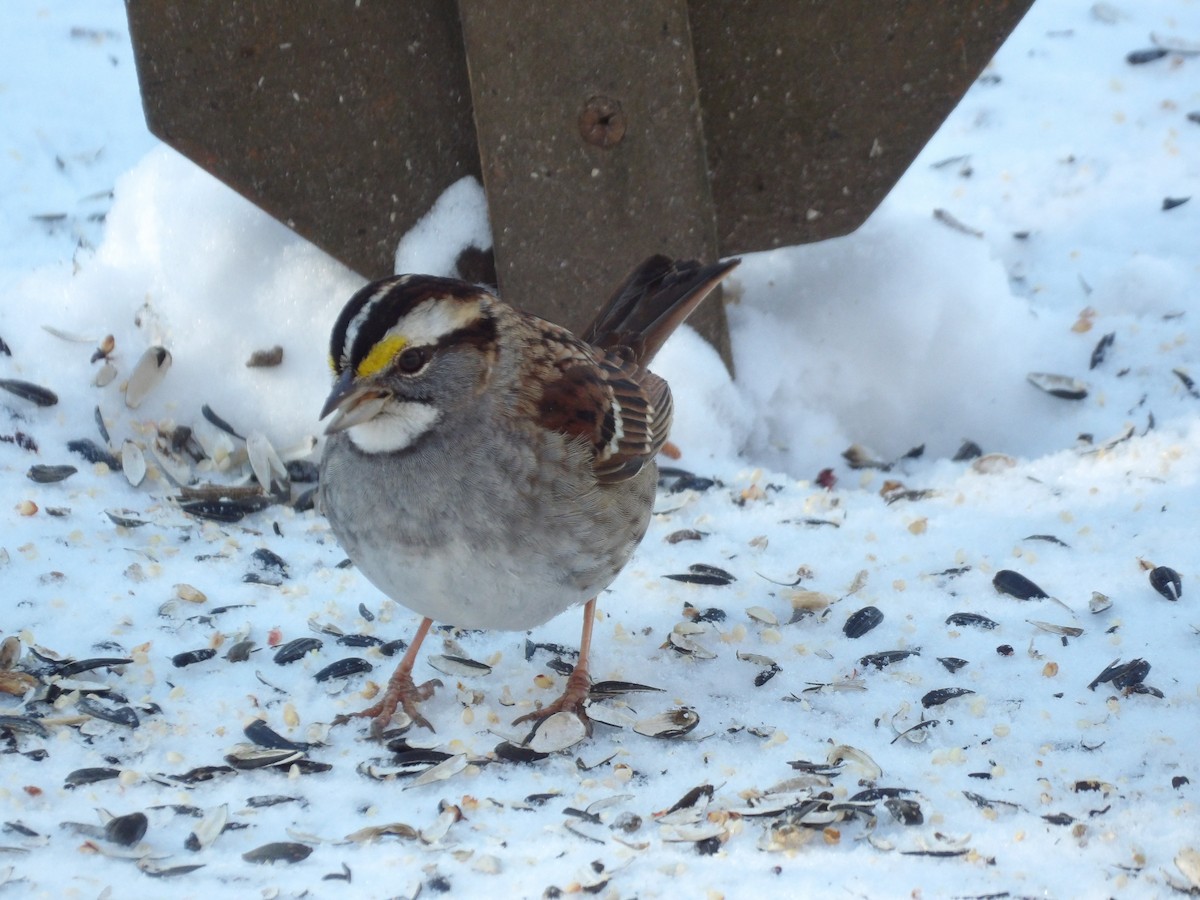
x,y
592,147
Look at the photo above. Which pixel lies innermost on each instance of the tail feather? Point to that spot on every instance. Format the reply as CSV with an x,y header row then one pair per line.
x,y
652,301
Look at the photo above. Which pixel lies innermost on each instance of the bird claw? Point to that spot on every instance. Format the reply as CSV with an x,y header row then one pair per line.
x,y
572,701
402,694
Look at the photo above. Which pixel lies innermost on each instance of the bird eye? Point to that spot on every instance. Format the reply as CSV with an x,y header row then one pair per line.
x,y
412,359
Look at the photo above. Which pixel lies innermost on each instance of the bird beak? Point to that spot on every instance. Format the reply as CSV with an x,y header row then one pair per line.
x,y
354,404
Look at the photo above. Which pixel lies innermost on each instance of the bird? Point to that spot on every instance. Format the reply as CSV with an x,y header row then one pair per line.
x,y
488,469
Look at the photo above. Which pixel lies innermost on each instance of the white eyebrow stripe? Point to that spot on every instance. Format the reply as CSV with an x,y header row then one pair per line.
x,y
433,319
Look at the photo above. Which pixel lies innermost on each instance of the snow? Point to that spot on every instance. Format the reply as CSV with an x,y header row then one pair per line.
x,y
909,332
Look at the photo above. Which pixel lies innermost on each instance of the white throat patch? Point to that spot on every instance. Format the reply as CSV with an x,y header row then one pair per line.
x,y
396,426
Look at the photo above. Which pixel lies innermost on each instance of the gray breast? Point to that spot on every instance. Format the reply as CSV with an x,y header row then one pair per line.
x,y
488,534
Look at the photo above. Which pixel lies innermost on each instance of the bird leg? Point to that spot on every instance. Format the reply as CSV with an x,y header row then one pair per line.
x,y
401,692
579,682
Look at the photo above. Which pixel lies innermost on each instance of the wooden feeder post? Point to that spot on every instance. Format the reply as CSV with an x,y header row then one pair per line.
x,y
602,131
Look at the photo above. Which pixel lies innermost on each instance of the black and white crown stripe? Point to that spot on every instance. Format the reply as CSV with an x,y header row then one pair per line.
x,y
410,306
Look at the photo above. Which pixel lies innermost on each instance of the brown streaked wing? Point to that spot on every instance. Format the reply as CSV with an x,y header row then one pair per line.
x,y
644,402
621,410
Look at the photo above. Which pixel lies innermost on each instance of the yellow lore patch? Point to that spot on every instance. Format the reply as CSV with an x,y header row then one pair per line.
x,y
381,355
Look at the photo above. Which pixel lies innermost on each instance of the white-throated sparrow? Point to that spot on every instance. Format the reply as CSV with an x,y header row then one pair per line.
x,y
487,468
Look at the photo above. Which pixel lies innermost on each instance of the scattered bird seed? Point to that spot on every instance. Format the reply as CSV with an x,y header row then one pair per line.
x,y
703,574
90,775
133,463
34,393
126,830
943,695
904,810
147,375
94,453
887,657
1122,675
1017,585
263,735
1064,630
344,668
674,723
947,219
225,510
124,520
967,451
859,623
1101,349
1186,380
296,649
458,666
279,851
50,474
1167,582
118,715
1141,57
261,359
1048,538
1062,386
189,657
971,619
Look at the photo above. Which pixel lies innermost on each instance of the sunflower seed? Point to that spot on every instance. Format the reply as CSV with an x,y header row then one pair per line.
x,y
972,619
126,830
861,622
1122,675
344,668
516,753
91,775
34,393
219,422
208,829
93,453
249,757
1017,585
133,463
50,474
375,832
266,465
904,811
296,649
119,715
227,511
1167,582
279,851
120,518
147,374
263,735
673,723
603,689
190,657
1064,630
887,657
1061,386
556,733
458,666
444,770
943,695
105,375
